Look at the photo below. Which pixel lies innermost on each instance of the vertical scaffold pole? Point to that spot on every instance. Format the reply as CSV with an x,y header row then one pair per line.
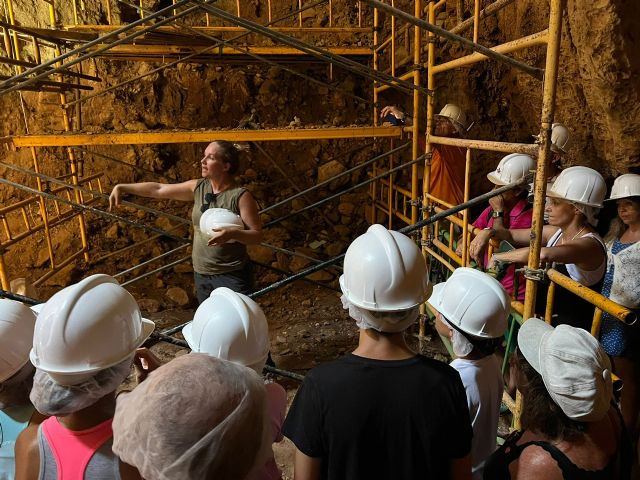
x,y
548,110
415,144
431,56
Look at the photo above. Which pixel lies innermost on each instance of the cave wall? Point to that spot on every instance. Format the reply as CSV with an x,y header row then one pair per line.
x,y
597,98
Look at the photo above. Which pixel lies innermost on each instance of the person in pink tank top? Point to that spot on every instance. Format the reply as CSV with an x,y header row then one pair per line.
x,y
84,343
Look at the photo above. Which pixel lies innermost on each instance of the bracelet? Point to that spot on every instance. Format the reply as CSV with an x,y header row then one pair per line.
x,y
495,214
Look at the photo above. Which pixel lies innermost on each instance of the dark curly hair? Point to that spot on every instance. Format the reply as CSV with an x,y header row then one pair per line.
x,y
540,413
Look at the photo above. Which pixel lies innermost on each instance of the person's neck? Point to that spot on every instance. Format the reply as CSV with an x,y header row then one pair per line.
x,y
377,346
92,415
573,229
219,185
631,233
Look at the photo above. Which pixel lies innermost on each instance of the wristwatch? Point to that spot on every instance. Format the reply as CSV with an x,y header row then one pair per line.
x,y
495,214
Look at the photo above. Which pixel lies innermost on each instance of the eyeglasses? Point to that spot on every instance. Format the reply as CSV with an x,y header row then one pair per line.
x,y
209,197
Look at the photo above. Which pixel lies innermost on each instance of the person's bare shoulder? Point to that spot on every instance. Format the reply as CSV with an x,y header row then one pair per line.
x,y
27,454
535,463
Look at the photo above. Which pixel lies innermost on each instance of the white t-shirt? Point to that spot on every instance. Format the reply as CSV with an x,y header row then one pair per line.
x,y
483,385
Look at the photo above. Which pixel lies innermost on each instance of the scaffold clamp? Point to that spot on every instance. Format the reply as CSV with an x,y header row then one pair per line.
x,y
536,274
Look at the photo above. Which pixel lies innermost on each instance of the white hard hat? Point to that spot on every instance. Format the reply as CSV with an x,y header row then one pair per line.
x,y
625,186
560,138
456,115
473,302
16,336
384,270
230,326
87,327
580,185
217,218
512,168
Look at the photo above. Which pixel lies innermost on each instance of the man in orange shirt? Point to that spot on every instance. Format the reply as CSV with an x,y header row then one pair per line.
x,y
447,162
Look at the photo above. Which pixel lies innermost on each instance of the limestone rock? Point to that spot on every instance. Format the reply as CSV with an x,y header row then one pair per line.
x,y
113,232
185,267
149,305
178,296
329,170
261,254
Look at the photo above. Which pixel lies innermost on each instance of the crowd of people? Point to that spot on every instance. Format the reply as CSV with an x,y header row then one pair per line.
x,y
381,411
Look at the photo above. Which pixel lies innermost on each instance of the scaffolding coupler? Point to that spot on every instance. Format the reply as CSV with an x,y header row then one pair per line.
x,y
535,274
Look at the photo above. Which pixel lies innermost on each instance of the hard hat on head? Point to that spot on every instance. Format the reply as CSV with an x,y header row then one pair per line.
x,y
456,115
16,336
625,186
560,138
473,302
87,327
230,326
579,185
384,270
512,168
218,218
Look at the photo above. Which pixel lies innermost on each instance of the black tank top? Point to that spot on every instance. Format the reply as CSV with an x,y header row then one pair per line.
x,y
497,466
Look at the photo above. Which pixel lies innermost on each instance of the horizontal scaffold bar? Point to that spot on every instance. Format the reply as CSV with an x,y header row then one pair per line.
x,y
156,136
171,50
489,145
90,32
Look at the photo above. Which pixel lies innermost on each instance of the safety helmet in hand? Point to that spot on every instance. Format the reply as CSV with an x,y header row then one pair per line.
x,y
219,218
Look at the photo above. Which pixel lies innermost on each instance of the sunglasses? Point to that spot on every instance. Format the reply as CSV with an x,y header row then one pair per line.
x,y
208,198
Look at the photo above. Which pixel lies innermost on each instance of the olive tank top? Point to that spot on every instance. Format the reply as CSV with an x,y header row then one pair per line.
x,y
224,258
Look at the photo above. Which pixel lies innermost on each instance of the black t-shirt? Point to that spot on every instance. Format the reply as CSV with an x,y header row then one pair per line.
x,y
381,419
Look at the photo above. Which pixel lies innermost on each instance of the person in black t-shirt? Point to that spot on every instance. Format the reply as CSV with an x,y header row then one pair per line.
x,y
381,412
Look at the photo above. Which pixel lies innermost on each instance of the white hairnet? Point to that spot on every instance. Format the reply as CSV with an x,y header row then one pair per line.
x,y
15,390
195,417
391,322
51,398
591,213
461,346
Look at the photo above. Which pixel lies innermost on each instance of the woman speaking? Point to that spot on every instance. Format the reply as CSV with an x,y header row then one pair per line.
x,y
219,255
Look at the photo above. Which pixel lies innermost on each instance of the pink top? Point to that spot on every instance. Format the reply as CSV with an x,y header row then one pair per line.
x,y
276,409
73,449
519,217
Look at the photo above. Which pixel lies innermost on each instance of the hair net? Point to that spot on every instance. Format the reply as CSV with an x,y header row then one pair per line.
x,y
51,398
15,390
591,213
391,322
461,346
195,417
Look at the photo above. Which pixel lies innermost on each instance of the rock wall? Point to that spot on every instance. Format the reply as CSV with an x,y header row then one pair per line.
x,y
597,98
